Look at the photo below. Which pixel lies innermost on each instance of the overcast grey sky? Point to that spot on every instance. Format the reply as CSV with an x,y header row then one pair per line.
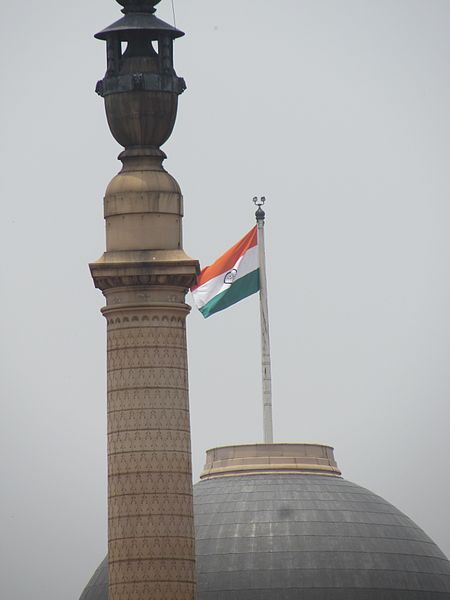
x,y
338,113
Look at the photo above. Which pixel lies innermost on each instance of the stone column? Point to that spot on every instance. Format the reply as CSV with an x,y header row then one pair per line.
x,y
150,511
151,536
144,275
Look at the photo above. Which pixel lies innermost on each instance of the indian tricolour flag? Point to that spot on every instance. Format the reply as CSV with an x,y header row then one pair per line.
x,y
233,276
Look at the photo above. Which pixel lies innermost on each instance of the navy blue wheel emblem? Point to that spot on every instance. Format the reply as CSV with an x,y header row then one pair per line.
x,y
230,276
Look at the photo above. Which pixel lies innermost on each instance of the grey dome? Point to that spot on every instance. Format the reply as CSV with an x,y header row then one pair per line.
x,y
97,588
286,536
314,537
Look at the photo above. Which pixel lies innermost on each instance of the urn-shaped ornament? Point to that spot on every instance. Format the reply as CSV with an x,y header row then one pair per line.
x,y
140,87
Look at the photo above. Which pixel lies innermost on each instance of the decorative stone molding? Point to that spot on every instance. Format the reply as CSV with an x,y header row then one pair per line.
x,y
107,282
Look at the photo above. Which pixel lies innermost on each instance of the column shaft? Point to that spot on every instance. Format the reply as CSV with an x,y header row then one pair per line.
x,y
151,535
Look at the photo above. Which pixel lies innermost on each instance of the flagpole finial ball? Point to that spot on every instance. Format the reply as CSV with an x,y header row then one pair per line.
x,y
259,202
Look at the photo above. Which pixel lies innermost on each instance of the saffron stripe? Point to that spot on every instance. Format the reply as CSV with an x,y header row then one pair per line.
x,y
240,289
245,264
227,261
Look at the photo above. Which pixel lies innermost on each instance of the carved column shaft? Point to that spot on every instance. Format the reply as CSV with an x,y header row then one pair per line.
x,y
151,535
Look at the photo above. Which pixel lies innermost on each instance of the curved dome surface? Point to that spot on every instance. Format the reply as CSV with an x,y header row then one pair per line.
x,y
281,537
274,535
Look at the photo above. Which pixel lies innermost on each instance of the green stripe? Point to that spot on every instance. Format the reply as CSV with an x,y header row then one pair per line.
x,y
240,289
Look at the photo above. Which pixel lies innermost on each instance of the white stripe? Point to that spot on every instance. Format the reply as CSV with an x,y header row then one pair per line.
x,y
246,263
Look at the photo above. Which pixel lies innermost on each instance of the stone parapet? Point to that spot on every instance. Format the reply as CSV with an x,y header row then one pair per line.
x,y
269,458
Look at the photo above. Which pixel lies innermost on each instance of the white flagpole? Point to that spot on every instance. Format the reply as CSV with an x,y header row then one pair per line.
x,y
265,339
